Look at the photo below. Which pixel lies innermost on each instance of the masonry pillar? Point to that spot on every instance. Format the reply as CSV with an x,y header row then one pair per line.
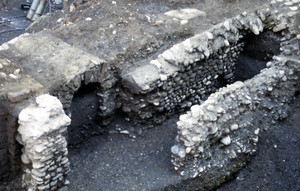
x,y
43,131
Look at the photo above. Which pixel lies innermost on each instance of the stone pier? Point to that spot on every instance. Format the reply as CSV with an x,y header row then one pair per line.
x,y
43,134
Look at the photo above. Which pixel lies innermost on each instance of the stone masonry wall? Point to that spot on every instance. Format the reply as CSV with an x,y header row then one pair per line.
x,y
218,136
188,83
227,125
189,71
43,131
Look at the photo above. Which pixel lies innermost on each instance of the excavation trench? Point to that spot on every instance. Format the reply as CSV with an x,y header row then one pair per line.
x,y
181,117
127,156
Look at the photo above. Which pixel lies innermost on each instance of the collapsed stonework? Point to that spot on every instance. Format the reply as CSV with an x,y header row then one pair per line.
x,y
215,139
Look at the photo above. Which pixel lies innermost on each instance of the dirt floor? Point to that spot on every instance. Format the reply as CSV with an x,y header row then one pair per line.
x,y
120,157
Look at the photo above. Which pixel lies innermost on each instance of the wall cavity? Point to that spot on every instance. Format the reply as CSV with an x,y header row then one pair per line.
x,y
42,132
258,50
84,114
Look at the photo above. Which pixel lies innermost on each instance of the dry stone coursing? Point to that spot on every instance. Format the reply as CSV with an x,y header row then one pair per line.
x,y
42,132
227,125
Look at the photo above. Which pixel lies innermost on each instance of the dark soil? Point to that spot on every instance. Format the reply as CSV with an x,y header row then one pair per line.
x,y
125,157
257,52
276,166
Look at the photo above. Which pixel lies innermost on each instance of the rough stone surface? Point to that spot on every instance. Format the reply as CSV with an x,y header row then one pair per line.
x,y
134,35
222,132
42,131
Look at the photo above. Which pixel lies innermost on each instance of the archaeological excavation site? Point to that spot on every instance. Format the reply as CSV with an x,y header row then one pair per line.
x,y
153,95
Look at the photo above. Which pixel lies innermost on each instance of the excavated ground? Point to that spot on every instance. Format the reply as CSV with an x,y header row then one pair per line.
x,y
123,157
126,157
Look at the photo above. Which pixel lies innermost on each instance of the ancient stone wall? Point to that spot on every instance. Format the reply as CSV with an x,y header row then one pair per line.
x,y
43,131
219,135
183,75
180,85
189,71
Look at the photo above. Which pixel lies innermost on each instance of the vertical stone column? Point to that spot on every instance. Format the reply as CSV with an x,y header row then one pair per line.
x,y
43,131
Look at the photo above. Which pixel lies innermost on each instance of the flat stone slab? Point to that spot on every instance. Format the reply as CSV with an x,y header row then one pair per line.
x,y
57,66
48,59
16,84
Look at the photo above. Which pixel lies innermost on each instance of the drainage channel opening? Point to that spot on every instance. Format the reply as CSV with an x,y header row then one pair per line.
x,y
258,50
84,115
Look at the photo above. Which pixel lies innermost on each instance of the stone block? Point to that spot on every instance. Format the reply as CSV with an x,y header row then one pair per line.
x,y
18,96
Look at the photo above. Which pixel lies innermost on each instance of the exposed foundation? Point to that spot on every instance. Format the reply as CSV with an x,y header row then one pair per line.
x,y
217,135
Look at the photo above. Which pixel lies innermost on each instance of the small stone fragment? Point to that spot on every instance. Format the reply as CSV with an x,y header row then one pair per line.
x,y
294,8
226,25
25,159
17,72
175,149
12,76
226,140
124,132
234,127
2,75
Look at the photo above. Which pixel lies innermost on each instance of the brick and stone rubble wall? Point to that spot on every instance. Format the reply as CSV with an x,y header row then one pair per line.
x,y
12,93
42,132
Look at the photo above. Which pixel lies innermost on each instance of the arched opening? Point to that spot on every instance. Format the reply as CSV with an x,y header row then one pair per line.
x,y
84,115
